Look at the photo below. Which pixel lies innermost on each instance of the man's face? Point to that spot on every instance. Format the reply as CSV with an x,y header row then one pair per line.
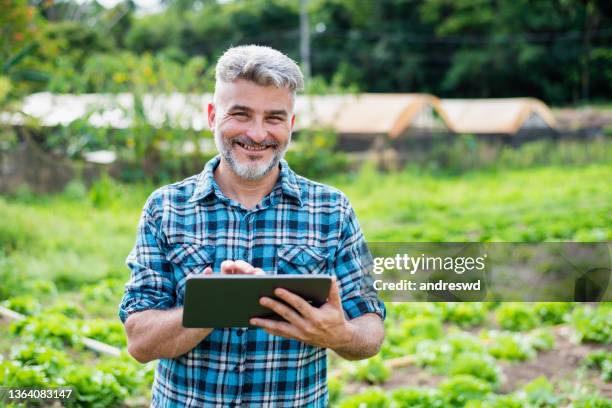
x,y
252,126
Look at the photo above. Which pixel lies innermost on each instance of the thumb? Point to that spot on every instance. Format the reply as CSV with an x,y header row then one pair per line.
x,y
334,293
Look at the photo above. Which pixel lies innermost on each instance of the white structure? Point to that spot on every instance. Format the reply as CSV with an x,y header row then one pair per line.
x,y
497,116
371,114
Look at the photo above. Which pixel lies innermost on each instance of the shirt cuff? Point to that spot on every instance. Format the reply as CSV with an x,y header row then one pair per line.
x,y
133,305
359,306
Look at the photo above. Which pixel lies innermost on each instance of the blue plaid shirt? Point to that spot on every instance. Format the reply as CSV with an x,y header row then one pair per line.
x,y
301,227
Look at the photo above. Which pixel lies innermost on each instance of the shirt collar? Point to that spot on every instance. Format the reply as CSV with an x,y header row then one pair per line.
x,y
206,184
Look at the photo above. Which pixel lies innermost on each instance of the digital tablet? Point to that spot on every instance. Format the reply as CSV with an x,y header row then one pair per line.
x,y
231,300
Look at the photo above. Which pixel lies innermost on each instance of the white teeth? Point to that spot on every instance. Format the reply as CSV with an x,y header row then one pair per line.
x,y
252,148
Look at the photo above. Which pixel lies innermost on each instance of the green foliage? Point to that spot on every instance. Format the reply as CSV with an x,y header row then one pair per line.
x,y
417,398
477,365
312,155
592,324
106,382
52,361
103,192
457,354
460,389
372,398
93,387
516,316
552,312
42,287
465,314
20,39
600,360
127,72
108,290
334,388
592,402
372,370
104,330
440,354
541,339
409,310
541,393
67,308
14,374
514,206
55,330
13,236
496,401
24,304
131,376
12,284
421,328
508,346
557,52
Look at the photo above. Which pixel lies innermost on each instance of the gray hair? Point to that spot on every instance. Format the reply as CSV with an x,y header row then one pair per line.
x,y
262,65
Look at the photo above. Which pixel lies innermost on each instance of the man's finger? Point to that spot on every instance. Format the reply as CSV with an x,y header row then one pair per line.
x,y
299,304
258,271
276,328
227,266
241,266
283,310
208,271
334,293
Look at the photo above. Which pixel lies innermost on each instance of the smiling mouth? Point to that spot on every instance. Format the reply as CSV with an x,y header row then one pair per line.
x,y
252,148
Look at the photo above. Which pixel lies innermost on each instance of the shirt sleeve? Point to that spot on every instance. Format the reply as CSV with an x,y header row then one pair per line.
x,y
352,265
151,284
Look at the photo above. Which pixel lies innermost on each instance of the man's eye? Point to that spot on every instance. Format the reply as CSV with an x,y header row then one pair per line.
x,y
275,119
240,114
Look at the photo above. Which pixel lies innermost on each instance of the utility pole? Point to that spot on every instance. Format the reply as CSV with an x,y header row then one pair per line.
x,y
305,39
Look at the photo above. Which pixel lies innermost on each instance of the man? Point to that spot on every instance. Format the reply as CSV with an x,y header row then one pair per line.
x,y
247,212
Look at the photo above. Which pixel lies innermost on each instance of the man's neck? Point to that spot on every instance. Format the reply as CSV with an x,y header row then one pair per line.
x,y
247,192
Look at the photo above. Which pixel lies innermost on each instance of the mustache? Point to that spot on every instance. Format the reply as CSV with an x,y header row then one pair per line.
x,y
249,142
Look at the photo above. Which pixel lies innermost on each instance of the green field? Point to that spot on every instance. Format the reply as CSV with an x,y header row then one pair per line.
x,y
62,258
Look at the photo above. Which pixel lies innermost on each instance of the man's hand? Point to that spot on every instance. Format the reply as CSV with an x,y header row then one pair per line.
x,y
239,267
154,334
322,327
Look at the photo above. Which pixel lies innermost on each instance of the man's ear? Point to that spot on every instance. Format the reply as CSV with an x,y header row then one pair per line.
x,y
211,116
292,121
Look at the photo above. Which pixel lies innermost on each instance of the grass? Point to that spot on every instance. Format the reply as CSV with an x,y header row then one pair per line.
x,y
541,204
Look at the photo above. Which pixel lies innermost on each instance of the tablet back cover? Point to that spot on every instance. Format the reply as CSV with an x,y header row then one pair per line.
x,y
231,300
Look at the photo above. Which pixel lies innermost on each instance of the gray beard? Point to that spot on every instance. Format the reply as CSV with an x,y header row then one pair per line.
x,y
250,171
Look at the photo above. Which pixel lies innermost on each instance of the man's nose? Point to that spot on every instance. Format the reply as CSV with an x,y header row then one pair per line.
x,y
257,132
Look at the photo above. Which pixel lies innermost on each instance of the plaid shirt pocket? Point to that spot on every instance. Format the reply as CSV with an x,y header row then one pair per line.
x,y
187,259
302,259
